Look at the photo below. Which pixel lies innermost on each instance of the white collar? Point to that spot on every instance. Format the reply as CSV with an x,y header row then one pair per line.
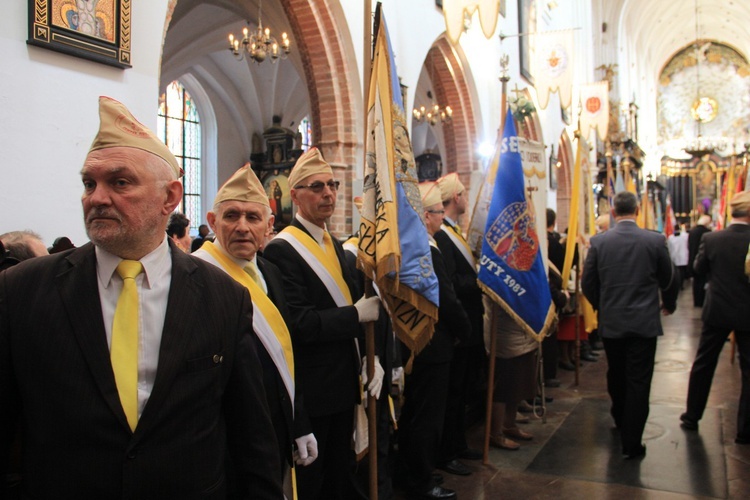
x,y
315,231
153,263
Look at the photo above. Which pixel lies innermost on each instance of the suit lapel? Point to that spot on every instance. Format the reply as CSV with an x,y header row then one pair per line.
x,y
79,292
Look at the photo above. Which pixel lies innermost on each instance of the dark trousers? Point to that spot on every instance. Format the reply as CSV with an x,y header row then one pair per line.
x,y
549,356
702,374
631,367
330,475
421,423
454,424
699,290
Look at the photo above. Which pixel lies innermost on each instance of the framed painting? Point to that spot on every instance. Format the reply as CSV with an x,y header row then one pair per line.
x,y
526,28
98,30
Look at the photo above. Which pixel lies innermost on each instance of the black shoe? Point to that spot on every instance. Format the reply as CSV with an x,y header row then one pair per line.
x,y
469,454
639,452
566,365
455,467
596,345
742,440
588,357
438,492
437,478
688,423
552,382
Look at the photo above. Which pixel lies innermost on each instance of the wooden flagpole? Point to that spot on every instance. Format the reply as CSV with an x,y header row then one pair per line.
x,y
504,78
372,433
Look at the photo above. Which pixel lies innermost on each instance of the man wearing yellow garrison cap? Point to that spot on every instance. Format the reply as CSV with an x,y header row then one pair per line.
x,y
468,356
428,374
722,256
322,296
241,218
131,356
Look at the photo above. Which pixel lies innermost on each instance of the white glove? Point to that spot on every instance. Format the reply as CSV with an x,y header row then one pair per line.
x,y
377,378
368,308
397,376
307,450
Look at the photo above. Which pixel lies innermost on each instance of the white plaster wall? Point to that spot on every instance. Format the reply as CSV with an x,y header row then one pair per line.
x,y
49,116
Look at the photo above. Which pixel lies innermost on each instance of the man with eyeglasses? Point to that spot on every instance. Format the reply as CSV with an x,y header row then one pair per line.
x,y
325,325
468,356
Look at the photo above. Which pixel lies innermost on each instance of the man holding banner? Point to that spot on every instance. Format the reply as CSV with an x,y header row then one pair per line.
x,y
325,325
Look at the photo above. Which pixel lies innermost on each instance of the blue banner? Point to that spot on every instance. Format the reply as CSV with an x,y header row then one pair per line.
x,y
511,268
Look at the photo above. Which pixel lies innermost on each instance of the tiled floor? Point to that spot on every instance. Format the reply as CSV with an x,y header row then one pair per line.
x,y
575,454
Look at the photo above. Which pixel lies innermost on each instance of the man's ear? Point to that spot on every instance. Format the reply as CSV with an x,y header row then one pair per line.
x,y
174,196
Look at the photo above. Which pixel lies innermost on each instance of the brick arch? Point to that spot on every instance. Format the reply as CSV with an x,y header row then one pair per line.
x,y
333,96
565,157
450,86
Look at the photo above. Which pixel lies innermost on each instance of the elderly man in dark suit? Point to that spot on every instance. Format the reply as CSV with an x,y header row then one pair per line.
x,y
241,218
624,270
322,296
722,257
130,365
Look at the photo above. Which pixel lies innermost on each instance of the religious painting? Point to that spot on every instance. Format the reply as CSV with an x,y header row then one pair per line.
x,y
98,30
527,23
276,184
705,186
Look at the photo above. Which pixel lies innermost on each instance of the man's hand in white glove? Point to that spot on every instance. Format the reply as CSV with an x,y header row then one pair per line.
x,y
307,450
368,308
377,379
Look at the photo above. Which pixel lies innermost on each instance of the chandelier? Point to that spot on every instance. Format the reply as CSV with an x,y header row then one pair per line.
x,y
259,45
433,114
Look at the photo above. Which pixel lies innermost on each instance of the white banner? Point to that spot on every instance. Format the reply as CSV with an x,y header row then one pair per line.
x,y
595,112
553,66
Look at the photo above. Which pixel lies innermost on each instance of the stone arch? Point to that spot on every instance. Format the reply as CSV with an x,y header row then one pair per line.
x,y
451,85
565,159
335,99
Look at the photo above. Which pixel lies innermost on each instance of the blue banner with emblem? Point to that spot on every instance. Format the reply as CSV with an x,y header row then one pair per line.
x,y
511,268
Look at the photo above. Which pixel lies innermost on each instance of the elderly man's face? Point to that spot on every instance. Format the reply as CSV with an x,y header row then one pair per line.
x,y
315,207
241,227
127,199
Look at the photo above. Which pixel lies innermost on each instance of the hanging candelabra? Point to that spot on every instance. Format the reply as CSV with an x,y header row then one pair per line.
x,y
260,45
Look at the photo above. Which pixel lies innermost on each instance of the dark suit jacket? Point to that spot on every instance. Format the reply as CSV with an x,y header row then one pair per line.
x,y
624,269
722,257
464,279
694,241
323,334
207,400
453,324
288,425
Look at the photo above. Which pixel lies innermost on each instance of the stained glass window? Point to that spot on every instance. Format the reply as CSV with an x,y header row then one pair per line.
x,y
179,127
305,129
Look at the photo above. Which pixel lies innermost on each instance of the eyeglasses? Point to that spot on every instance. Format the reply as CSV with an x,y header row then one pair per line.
x,y
438,212
319,186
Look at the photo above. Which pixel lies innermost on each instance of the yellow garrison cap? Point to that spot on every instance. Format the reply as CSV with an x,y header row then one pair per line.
x,y
310,163
244,185
741,203
430,192
119,128
450,185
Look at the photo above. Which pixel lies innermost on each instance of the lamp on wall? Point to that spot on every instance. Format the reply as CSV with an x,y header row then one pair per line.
x,y
260,45
433,114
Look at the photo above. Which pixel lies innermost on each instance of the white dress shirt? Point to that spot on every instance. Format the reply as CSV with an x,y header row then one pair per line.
x,y
153,294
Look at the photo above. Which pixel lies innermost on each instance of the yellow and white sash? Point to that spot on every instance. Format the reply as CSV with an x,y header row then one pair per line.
x,y
326,269
460,243
268,323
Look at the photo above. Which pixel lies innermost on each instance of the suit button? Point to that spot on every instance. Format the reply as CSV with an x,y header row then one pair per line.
x,y
131,455
218,359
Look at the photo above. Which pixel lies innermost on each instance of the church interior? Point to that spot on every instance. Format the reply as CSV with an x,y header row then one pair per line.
x,y
653,95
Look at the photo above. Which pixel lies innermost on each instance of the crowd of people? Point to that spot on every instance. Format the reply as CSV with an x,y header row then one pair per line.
x,y
149,364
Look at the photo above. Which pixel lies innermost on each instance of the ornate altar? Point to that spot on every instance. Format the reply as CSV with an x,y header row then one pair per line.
x,y
272,159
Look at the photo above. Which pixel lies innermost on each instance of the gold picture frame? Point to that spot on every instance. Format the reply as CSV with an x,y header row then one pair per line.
x,y
98,30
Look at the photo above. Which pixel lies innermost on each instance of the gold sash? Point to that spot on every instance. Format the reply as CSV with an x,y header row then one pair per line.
x,y
313,249
263,305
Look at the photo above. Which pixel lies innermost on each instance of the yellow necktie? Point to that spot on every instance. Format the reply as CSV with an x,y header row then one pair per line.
x,y
331,251
252,270
124,350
